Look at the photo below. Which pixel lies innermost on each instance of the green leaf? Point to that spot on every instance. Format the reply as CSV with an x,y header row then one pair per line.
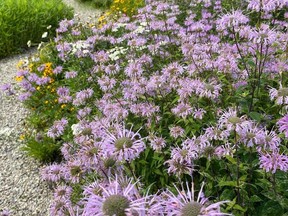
x,y
233,205
255,116
238,207
143,162
158,172
251,62
227,194
227,183
272,208
243,178
255,198
231,159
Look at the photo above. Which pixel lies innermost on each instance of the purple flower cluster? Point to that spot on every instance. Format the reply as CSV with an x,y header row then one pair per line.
x,y
273,161
175,82
82,96
58,128
5,213
283,125
7,89
64,95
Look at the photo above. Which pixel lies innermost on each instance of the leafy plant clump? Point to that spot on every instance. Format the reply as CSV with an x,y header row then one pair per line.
x,y
150,109
26,20
98,3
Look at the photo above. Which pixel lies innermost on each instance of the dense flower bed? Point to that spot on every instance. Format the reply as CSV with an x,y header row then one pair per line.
x,y
147,110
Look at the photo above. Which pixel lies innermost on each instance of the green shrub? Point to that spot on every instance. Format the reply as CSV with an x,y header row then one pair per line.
x,y
99,3
102,3
24,20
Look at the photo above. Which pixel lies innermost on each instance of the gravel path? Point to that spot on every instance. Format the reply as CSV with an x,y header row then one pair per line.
x,y
84,12
21,190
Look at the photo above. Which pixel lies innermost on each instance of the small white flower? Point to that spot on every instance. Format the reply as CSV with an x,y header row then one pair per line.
x,y
35,59
76,128
140,29
122,50
45,34
40,45
163,42
144,24
114,53
119,25
49,27
113,57
141,47
29,43
80,45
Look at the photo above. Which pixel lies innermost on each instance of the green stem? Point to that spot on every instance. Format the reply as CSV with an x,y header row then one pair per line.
x,y
133,174
238,168
274,183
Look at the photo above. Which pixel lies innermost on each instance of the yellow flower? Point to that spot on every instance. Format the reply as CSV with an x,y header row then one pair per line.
x,y
101,18
20,64
48,71
48,65
31,67
22,136
46,102
38,88
19,78
63,106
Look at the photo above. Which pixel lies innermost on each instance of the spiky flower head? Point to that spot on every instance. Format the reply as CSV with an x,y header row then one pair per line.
x,y
122,143
271,162
184,203
280,95
230,121
115,199
283,125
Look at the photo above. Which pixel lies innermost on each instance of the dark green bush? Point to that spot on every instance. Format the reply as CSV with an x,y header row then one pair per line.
x,y
24,20
99,3
102,3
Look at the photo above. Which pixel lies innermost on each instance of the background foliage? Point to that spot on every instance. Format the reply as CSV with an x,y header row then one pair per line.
x,y
98,3
24,20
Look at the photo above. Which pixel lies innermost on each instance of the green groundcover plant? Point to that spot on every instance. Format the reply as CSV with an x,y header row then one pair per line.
x,y
26,20
179,110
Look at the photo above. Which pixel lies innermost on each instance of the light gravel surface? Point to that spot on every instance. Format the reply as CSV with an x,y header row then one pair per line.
x,y
83,11
21,190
